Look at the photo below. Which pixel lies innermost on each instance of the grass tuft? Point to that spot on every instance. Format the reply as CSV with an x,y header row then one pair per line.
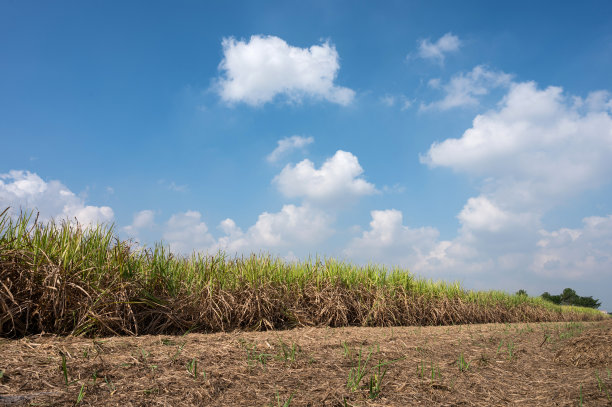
x,y
464,365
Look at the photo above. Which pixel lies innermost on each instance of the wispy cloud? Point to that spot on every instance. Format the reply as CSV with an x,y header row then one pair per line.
x,y
436,51
172,186
400,100
464,89
388,100
288,144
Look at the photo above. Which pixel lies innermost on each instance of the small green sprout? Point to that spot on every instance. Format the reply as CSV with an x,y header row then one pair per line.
x,y
464,365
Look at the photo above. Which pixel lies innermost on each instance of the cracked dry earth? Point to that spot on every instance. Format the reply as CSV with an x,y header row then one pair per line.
x,y
537,364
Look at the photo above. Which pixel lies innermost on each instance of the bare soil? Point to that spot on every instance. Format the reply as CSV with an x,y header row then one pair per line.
x,y
535,364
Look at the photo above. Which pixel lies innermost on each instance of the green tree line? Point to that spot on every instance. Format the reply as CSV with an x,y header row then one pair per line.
x,y
568,297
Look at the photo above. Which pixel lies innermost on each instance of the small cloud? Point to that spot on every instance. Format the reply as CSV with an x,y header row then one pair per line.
x,y
110,190
338,179
464,89
287,145
435,51
388,100
142,220
395,189
172,186
434,83
255,72
177,188
400,100
407,104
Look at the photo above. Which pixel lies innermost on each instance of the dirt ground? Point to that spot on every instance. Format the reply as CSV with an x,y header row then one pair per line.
x,y
538,364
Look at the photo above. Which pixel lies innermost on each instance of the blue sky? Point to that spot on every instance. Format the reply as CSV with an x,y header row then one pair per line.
x,y
466,141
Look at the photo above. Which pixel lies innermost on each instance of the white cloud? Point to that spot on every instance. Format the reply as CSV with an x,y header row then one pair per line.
x,y
255,72
28,191
435,51
435,83
294,228
142,220
535,150
89,215
538,149
390,242
185,233
576,253
287,145
464,89
482,214
479,247
600,101
301,226
338,179
490,229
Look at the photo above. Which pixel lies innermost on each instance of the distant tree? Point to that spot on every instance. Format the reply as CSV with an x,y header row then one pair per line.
x,y
569,297
555,299
521,292
588,302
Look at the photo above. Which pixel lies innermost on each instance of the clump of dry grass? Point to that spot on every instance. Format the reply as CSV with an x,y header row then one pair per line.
x,y
66,279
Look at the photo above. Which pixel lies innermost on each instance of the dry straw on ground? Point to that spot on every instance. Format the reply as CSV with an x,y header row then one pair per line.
x,y
536,364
